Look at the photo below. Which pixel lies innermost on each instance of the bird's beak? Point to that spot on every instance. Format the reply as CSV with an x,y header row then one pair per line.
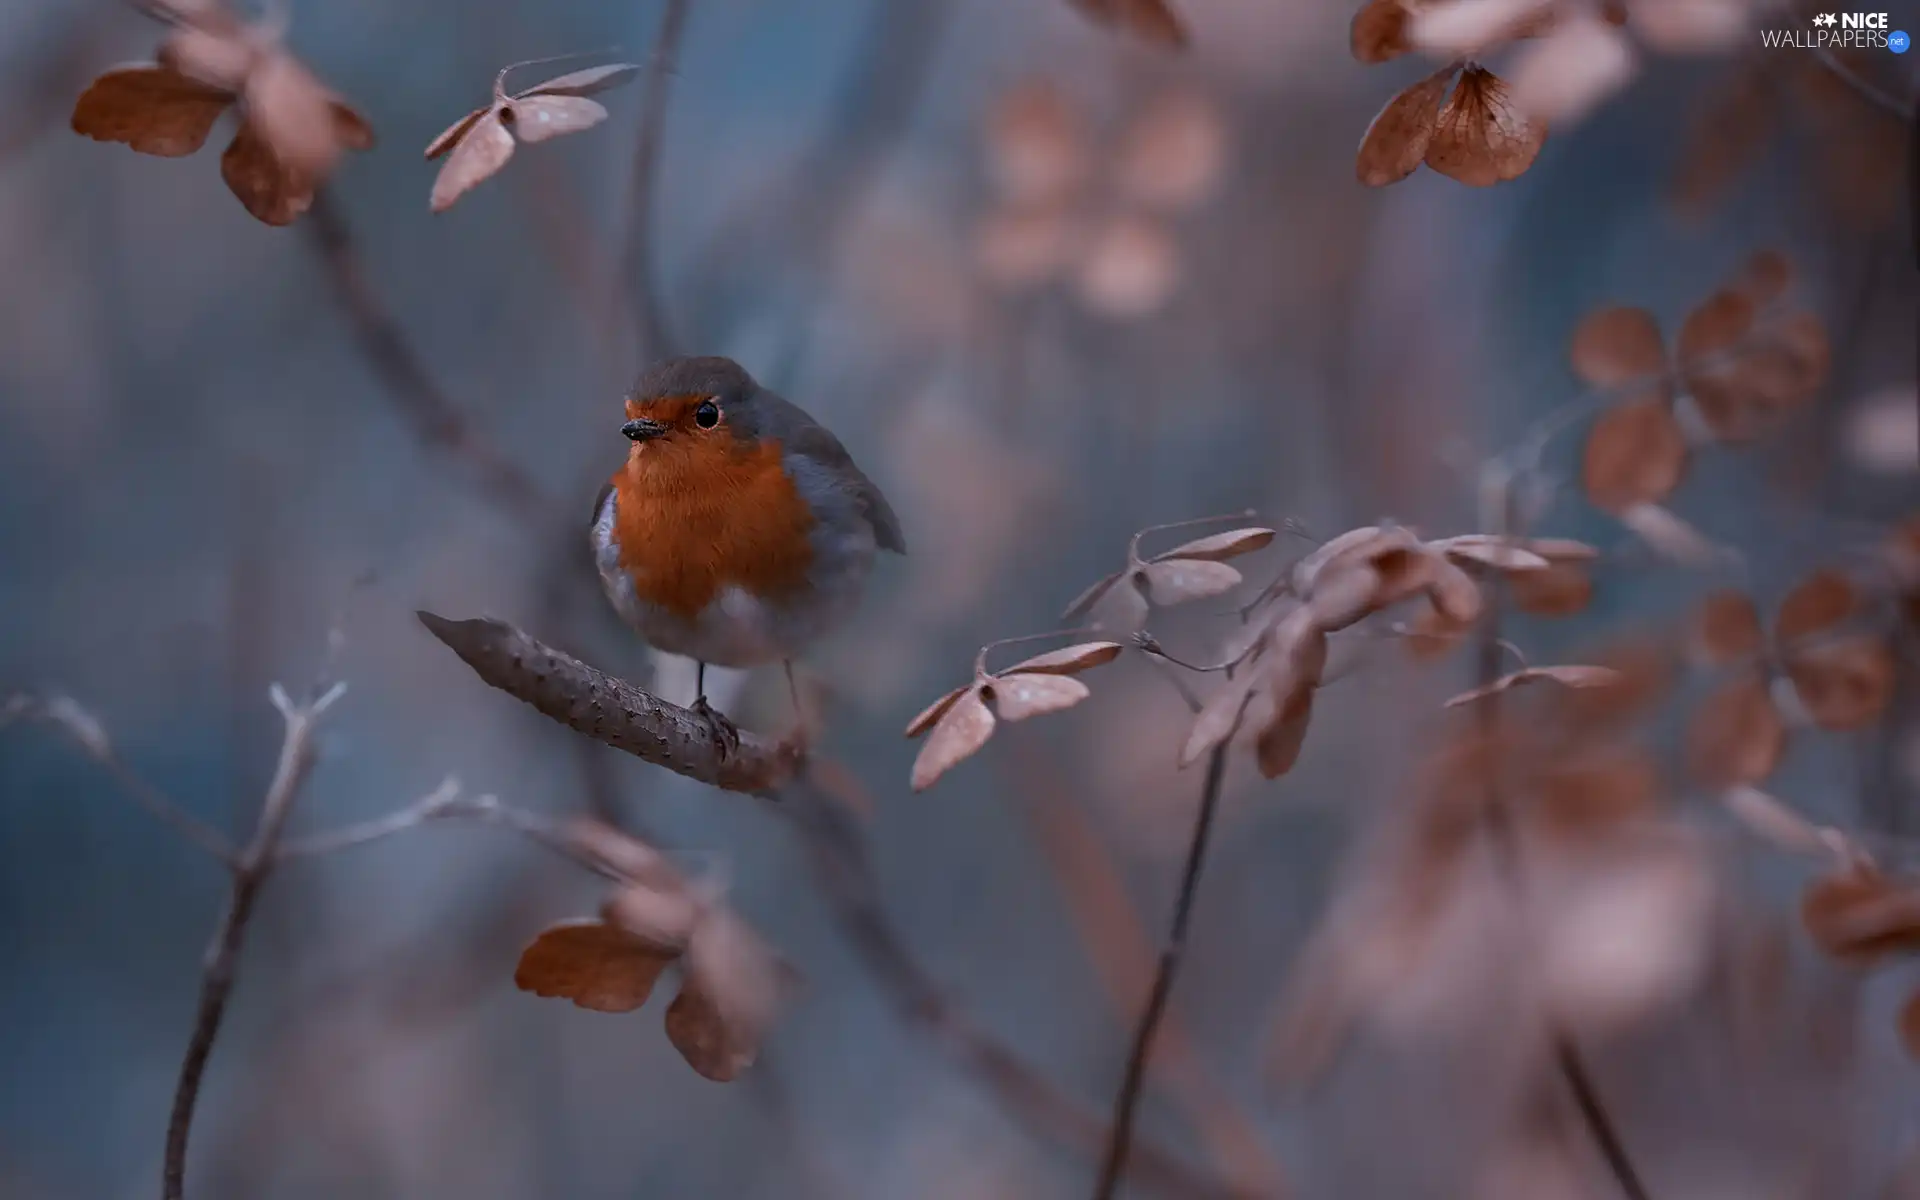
x,y
642,429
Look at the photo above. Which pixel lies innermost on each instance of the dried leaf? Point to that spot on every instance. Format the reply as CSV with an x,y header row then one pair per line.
x,y
591,963
1572,676
1481,137
1179,580
1719,324
1566,76
1218,720
1221,546
1379,33
1151,20
1017,697
1068,660
294,114
1306,572
588,82
1036,146
1843,685
960,732
1279,744
478,157
1397,140
1174,155
1860,915
1580,800
1617,345
543,117
1765,277
1816,604
1084,602
153,110
663,918
1736,736
933,712
1505,554
1635,454
733,990
1727,628
273,193
1455,594
1562,590
1344,595
453,133
1431,634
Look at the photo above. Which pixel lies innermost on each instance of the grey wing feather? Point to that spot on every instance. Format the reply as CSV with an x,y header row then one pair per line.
x,y
801,434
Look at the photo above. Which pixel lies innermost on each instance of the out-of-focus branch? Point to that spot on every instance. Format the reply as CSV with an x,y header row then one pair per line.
x,y
611,710
650,319
80,727
250,872
840,863
436,419
1865,88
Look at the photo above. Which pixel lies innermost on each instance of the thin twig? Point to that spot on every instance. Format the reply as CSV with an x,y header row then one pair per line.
x,y
1500,828
81,728
1120,1138
249,874
650,321
436,419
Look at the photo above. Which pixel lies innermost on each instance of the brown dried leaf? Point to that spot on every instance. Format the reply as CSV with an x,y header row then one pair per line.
x,y
1174,155
1481,137
453,133
1306,572
1816,604
1179,580
1218,720
153,110
1084,602
1562,590
1344,595
1379,33
1455,594
1036,146
1504,554
663,918
1300,658
1860,915
733,990
1221,546
1727,628
1612,346
1843,685
273,193
294,114
960,732
1017,697
1635,454
593,964
589,82
1154,21
1765,277
539,118
1431,634
933,712
1572,676
1719,324
1278,745
1397,140
219,57
480,154
1068,660
1736,736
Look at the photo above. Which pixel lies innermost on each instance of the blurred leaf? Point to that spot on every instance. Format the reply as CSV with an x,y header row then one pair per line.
x,y
1481,138
1069,660
1017,697
1397,140
1635,454
1736,735
593,964
154,110
1617,345
959,733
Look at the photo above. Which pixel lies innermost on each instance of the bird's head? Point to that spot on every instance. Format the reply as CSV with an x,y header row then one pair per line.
x,y
693,404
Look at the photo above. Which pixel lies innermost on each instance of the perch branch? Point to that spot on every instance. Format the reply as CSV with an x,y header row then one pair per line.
x,y
611,710
78,726
250,872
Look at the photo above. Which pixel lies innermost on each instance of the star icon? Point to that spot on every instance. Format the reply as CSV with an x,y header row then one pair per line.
x,y
1826,19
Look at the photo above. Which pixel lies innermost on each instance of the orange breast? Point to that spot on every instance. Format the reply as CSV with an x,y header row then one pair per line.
x,y
697,515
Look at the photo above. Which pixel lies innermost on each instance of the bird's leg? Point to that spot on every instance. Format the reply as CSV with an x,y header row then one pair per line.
x,y
726,734
799,713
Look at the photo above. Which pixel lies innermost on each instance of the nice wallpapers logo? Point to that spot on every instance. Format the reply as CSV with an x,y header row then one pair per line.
x,y
1840,31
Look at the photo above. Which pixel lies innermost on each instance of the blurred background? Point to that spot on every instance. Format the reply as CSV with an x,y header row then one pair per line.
x,y
1050,286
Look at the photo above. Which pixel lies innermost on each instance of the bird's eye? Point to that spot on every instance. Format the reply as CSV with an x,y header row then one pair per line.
x,y
707,415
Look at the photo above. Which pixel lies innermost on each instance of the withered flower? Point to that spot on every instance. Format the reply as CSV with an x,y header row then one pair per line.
x,y
732,984
962,720
1193,571
479,144
293,130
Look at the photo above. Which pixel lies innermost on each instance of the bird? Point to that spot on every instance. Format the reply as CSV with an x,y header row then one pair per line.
x,y
738,531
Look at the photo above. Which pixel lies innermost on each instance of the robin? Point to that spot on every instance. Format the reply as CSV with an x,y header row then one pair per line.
x,y
739,530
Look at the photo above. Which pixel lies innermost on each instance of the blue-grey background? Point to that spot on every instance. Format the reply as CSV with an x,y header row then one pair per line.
x,y
201,477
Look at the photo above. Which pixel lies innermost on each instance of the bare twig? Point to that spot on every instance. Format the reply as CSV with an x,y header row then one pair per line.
x,y
250,872
1120,1137
436,419
611,710
81,728
841,865
650,319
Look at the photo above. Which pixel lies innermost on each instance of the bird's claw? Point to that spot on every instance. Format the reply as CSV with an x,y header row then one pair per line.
x,y
726,735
